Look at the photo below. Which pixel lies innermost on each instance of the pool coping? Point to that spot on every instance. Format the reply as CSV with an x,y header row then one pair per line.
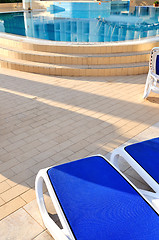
x,y
56,43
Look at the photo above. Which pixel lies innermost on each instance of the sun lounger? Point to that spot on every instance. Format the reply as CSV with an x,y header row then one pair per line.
x,y
153,74
95,201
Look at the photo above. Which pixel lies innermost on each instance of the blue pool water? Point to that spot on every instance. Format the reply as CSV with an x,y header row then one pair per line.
x,y
84,22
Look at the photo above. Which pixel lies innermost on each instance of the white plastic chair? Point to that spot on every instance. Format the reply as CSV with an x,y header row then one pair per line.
x,y
153,74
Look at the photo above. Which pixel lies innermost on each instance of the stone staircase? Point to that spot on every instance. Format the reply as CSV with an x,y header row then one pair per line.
x,y
74,60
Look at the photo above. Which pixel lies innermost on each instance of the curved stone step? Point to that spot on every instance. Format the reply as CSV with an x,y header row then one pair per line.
x,y
76,59
74,70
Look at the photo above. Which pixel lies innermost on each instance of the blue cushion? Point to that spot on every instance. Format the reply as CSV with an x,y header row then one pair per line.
x,y
146,153
100,204
157,65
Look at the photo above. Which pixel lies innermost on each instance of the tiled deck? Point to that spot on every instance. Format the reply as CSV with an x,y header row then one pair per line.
x,y
49,120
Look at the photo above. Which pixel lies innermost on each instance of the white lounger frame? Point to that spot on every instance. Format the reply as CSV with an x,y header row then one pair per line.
x,y
143,174
56,232
152,77
66,233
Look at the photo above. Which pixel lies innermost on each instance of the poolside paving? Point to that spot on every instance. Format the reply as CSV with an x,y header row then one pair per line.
x,y
48,120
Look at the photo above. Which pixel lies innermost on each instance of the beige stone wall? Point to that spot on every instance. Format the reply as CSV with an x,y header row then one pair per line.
x,y
36,4
41,4
44,4
141,2
10,5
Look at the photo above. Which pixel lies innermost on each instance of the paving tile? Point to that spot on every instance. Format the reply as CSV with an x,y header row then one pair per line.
x,y
2,178
4,166
30,146
28,196
20,177
14,192
31,181
11,207
4,186
20,169
19,225
78,146
33,209
27,155
42,156
18,137
33,136
15,145
6,175
47,145
43,164
44,236
1,201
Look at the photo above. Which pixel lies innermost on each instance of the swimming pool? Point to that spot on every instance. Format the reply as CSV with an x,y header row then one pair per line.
x,y
84,22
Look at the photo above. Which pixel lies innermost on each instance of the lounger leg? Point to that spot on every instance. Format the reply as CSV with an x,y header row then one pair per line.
x,y
138,169
150,194
115,159
55,231
148,86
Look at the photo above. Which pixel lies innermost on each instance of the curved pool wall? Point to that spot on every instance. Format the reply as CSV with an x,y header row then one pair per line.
x,y
84,22
65,59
